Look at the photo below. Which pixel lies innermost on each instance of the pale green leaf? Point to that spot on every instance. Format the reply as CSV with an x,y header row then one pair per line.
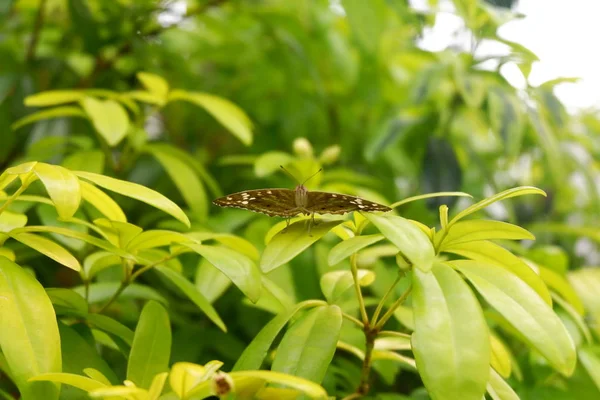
x,y
520,305
78,381
489,252
240,269
350,246
451,340
498,389
62,187
335,283
270,162
10,220
409,239
292,241
480,229
154,83
590,359
307,387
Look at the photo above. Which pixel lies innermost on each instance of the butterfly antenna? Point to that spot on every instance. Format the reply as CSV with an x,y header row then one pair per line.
x,y
312,176
290,174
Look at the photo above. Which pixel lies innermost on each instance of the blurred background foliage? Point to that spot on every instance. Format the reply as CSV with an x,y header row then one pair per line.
x,y
325,83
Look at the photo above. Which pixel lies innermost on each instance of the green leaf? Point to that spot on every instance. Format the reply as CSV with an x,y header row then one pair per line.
x,y
49,216
350,246
232,241
190,291
409,239
98,261
307,348
137,192
429,196
100,243
590,359
224,111
254,355
102,291
67,299
290,242
309,388
157,238
85,160
334,284
57,112
518,191
111,326
102,202
108,117
53,97
209,281
62,187
29,336
151,347
489,252
367,22
506,119
520,305
78,381
498,389
270,162
185,179
78,354
451,340
116,232
240,269
154,83
48,248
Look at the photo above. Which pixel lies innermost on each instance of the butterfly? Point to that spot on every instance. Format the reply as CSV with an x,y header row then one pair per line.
x,y
288,203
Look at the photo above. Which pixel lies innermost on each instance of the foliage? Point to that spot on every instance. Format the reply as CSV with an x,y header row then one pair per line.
x,y
118,127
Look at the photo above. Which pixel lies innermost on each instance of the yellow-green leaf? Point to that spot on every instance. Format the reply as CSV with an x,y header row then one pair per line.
x,y
57,112
518,191
102,202
62,187
292,241
154,83
336,283
48,248
500,356
137,192
53,97
29,335
350,246
108,117
480,229
78,381
227,113
498,389
307,387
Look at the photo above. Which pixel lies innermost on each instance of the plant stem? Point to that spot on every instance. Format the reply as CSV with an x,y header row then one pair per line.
x,y
359,296
354,320
114,297
393,308
383,300
370,336
12,198
35,35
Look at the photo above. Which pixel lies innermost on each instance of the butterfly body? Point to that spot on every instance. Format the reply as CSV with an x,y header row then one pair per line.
x,y
288,203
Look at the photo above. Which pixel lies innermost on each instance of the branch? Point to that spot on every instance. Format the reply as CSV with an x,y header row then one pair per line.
x,y
37,27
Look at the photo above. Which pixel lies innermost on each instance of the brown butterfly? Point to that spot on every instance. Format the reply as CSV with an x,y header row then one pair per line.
x,y
288,203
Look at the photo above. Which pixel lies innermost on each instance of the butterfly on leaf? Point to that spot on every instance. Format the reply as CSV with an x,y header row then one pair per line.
x,y
288,203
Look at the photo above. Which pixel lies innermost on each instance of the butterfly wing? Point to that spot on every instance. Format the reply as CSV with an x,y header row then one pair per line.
x,y
273,202
335,203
